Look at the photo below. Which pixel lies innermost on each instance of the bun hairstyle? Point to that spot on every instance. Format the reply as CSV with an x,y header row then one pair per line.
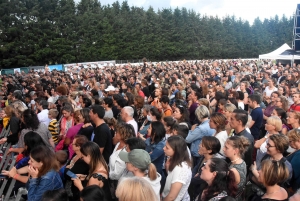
x,y
239,142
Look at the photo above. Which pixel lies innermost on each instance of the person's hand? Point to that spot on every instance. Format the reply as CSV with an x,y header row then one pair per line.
x,y
77,183
194,126
10,173
141,136
3,140
81,176
33,171
253,167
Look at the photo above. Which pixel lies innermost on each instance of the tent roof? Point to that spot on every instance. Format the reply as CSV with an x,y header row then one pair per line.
x,y
276,54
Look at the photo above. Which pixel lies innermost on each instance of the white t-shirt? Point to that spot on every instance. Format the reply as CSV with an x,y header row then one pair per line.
x,y
241,105
181,174
43,117
134,124
269,91
222,137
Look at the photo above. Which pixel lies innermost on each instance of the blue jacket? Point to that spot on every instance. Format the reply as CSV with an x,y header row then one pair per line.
x,y
195,136
38,186
157,153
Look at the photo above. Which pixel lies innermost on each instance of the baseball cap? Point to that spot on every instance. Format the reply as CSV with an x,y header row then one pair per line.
x,y
110,88
137,157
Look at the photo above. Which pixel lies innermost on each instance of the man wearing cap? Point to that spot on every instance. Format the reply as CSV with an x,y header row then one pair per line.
x,y
111,90
138,162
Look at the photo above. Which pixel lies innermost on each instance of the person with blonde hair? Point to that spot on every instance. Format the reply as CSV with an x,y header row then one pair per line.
x,y
138,162
293,119
273,126
235,149
228,109
205,102
271,175
294,158
135,189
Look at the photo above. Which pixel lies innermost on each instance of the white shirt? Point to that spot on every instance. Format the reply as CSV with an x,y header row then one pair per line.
x,y
134,124
181,174
269,91
43,117
116,165
222,137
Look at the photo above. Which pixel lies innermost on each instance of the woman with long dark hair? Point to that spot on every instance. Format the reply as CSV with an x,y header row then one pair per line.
x,y
209,148
178,166
13,122
31,123
77,166
155,144
87,128
181,114
98,172
220,180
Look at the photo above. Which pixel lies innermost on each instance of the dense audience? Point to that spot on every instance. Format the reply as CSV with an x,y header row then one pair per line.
x,y
189,130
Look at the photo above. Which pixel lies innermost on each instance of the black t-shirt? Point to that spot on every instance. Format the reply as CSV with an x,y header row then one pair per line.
x,y
146,91
87,131
104,140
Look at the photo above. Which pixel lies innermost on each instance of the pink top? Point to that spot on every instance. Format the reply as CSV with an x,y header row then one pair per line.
x,y
71,134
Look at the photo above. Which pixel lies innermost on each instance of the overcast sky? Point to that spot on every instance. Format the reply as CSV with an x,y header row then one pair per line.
x,y
246,9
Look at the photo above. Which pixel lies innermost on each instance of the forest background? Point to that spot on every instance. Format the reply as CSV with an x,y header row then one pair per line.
x,y
39,32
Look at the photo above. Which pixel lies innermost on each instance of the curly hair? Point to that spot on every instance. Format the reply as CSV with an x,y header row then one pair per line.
x,y
62,90
239,142
125,130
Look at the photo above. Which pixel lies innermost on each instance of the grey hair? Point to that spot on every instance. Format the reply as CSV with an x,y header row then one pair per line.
x,y
129,110
202,112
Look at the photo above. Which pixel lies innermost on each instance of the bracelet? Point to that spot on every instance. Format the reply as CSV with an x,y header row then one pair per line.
x,y
16,176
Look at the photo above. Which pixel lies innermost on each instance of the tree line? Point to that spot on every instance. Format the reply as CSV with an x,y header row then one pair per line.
x,y
39,32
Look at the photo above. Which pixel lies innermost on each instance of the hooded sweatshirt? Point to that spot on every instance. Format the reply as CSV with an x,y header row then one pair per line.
x,y
155,184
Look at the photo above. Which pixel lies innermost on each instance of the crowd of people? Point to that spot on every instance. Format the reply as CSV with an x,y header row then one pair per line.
x,y
172,131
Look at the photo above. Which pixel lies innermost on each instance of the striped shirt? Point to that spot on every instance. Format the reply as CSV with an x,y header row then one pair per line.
x,y
53,128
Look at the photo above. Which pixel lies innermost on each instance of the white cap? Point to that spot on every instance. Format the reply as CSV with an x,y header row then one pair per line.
x,y
110,88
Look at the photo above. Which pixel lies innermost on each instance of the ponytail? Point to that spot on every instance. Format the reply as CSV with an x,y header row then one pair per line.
x,y
152,173
231,184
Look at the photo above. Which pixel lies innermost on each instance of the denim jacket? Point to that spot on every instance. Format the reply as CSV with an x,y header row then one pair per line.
x,y
195,136
156,152
38,186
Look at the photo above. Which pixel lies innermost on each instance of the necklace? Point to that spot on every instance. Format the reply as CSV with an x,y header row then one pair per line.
x,y
235,160
273,192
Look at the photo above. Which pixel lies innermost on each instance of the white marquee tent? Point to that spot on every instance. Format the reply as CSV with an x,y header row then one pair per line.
x,y
276,54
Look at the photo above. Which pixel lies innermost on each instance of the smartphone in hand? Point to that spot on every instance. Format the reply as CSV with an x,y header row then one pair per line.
x,y
71,174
